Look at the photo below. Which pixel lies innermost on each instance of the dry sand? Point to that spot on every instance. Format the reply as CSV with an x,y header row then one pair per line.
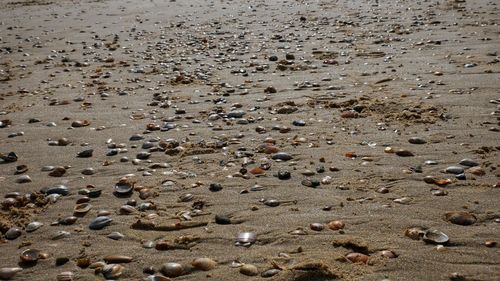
x,y
361,76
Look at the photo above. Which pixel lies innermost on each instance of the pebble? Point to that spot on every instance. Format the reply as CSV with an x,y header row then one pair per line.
x,y
8,273
100,222
460,218
249,270
32,226
468,162
204,264
13,233
454,170
24,179
417,140
172,269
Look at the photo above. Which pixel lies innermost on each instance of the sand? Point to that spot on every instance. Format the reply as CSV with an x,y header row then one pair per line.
x,y
363,77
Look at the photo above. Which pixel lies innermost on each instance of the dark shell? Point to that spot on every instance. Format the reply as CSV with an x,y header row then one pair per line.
x,y
30,256
283,156
13,233
172,269
57,189
100,222
460,218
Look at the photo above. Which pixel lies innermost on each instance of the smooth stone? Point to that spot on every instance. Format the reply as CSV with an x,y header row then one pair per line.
x,y
283,156
7,273
299,123
60,235
204,264
13,233
85,153
100,222
172,269
143,155
272,203
478,171
68,220
317,226
468,162
454,170
222,219
404,153
357,257
461,176
249,270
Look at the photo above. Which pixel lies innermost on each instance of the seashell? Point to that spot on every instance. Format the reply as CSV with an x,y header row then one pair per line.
x,y
13,233
468,162
115,235
257,171
282,156
246,238
158,278
172,269
417,140
414,233
404,153
7,273
81,209
435,237
478,171
100,222
454,170
357,257
186,197
112,271
145,193
8,202
98,265
336,225
460,218
126,210
204,264
270,273
65,276
118,259
30,256
88,171
47,168
222,219
57,172
388,254
124,187
272,202
24,179
143,155
490,244
317,226
11,157
94,193
148,244
81,200
310,183
249,270
53,198
57,189
21,169
85,153
102,213
60,235
63,142
68,220
32,226
80,123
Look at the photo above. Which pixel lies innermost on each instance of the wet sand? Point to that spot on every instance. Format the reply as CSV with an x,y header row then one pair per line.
x,y
209,87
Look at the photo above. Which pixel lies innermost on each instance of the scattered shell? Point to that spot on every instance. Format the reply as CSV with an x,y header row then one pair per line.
x,y
115,235
30,256
65,276
417,140
60,235
100,222
454,170
7,273
283,156
270,273
172,269
246,238
414,233
80,123
204,264
118,259
68,220
249,270
460,218
388,254
32,226
81,209
57,189
468,162
88,171
13,233
336,225
435,236
21,169
57,172
404,153
112,271
24,179
85,153
357,258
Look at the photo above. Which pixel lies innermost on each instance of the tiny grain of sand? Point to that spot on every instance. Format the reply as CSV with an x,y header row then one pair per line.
x,y
271,118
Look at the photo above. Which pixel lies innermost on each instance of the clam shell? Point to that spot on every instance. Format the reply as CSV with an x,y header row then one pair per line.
x,y
32,226
283,156
56,189
336,225
30,255
270,273
357,257
81,209
60,235
204,264
435,237
13,233
68,220
7,273
460,218
123,188
246,237
115,235
65,276
172,269
100,222
112,271
118,259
